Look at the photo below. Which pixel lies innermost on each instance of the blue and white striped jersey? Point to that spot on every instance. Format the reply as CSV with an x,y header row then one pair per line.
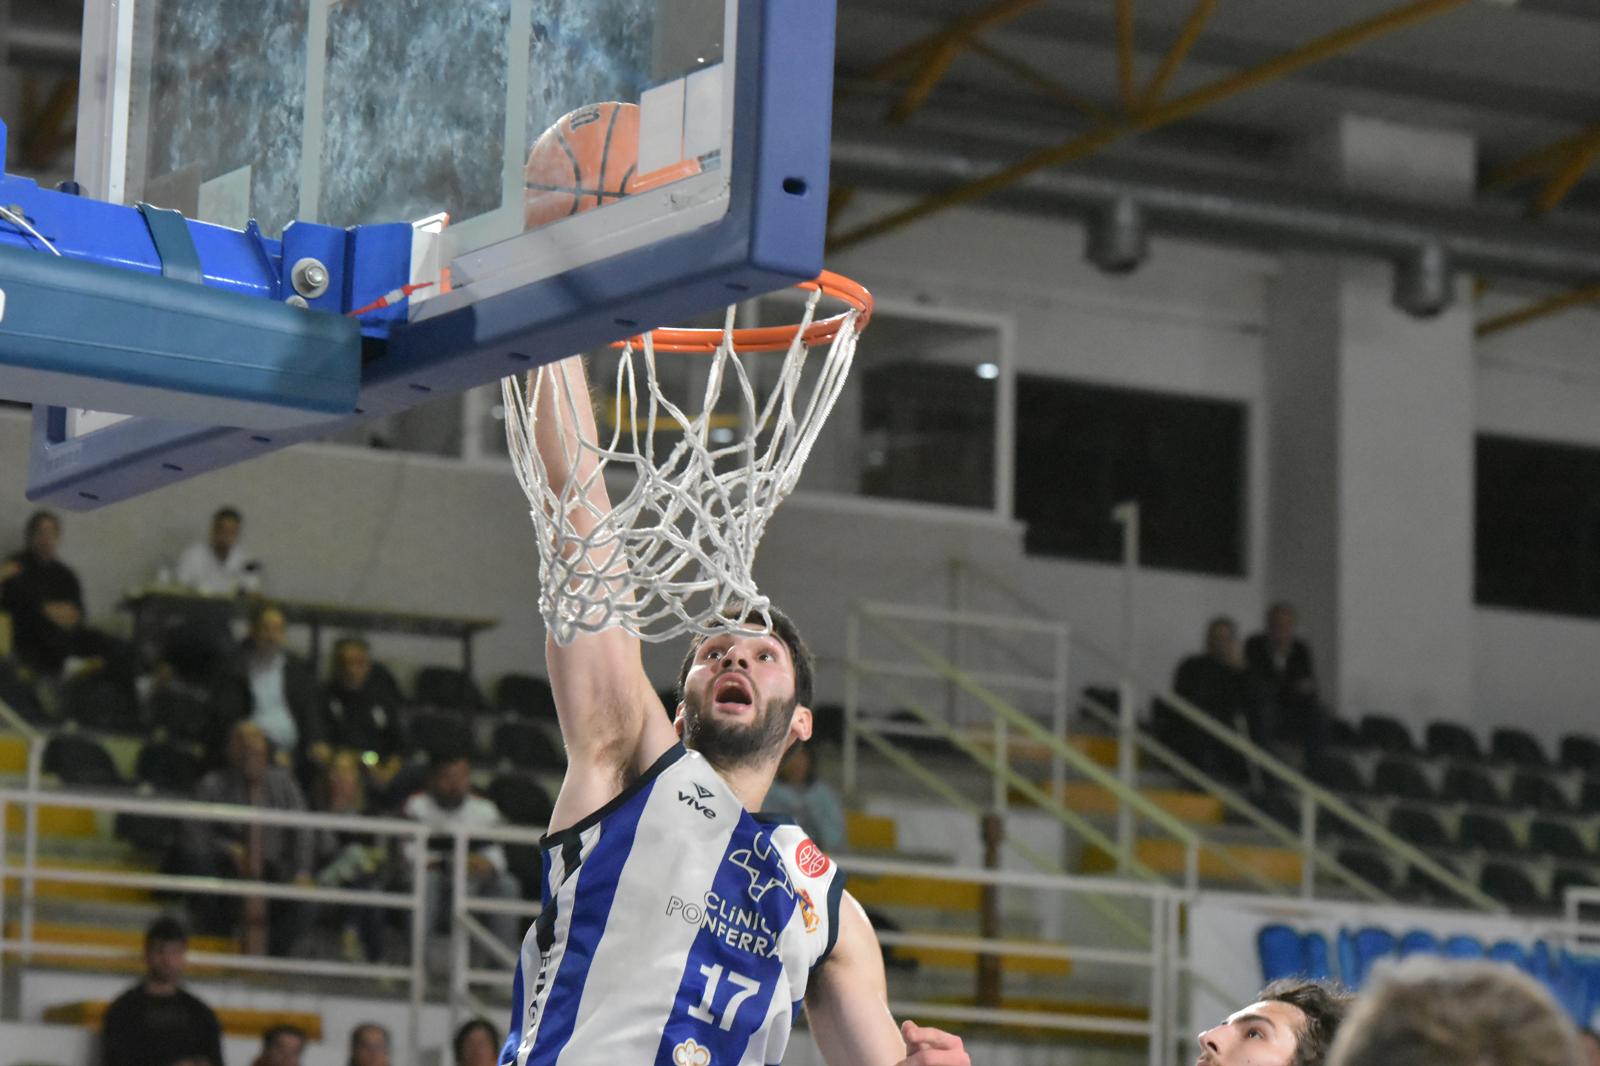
x,y
678,929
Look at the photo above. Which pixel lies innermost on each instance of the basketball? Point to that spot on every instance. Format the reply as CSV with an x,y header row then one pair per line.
x,y
586,159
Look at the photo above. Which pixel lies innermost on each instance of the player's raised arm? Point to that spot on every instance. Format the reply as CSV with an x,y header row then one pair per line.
x,y
848,1006
611,719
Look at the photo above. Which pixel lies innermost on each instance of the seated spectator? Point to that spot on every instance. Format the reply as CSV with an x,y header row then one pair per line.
x,y
218,565
348,859
1281,663
447,804
257,852
1429,1011
282,1045
477,1043
45,601
363,706
284,701
798,794
1217,682
1292,1023
369,1045
157,1022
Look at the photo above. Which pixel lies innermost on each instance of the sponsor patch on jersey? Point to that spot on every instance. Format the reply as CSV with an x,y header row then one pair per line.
x,y
690,1053
810,859
808,911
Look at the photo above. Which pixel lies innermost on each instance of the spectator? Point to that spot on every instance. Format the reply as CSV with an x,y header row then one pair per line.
x,y
477,1043
1217,682
1281,663
156,1022
369,1045
1447,1012
284,701
45,601
218,566
447,804
282,1045
348,859
1292,1023
363,704
258,852
798,794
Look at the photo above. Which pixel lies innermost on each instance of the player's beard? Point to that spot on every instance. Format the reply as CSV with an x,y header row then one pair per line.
x,y
727,745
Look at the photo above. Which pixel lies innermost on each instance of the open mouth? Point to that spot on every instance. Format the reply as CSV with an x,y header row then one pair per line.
x,y
732,692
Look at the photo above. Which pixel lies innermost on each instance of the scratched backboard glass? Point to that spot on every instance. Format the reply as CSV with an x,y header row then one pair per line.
x,y
356,111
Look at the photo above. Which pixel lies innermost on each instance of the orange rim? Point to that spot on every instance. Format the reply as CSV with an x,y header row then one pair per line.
x,y
772,338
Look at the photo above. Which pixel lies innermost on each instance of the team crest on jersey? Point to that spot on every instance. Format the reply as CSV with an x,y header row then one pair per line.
x,y
763,879
690,1053
813,862
808,911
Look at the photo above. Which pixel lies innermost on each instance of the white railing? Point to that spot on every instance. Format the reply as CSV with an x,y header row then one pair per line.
x,y
31,871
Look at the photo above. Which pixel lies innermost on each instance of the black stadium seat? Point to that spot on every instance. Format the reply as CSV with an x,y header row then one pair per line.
x,y
521,799
1558,839
1510,884
79,761
1565,879
1372,868
1488,832
93,702
526,746
525,695
182,714
443,686
440,735
1517,746
1336,771
1403,778
1451,741
1386,733
1580,752
1537,791
1467,784
1418,827
167,768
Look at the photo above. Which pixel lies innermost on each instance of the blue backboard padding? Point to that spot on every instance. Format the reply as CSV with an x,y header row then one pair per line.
x,y
772,236
248,360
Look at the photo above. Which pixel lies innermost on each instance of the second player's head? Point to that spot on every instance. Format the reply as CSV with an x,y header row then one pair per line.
x,y
742,700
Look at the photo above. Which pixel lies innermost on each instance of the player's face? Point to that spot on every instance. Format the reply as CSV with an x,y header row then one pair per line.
x,y
738,698
1263,1034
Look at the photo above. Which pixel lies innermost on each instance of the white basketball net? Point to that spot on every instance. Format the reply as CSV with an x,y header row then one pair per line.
x,y
674,554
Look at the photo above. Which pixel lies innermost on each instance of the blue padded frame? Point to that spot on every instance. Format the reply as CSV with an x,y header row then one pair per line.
x,y
771,236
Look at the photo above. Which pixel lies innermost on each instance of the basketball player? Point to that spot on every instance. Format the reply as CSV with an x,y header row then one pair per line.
x,y
679,928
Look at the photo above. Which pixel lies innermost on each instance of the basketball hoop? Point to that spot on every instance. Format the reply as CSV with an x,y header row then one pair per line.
x,y
674,554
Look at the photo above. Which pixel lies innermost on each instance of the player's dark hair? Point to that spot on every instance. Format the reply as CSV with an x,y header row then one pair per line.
x,y
1323,1003
468,1029
783,627
227,512
165,930
37,519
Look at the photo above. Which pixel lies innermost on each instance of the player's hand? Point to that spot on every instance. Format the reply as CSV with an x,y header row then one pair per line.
x,y
932,1047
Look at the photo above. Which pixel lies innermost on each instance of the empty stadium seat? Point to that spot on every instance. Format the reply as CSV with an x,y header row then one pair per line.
x,y
1418,942
443,686
1538,792
1385,733
442,736
525,695
1462,946
1488,832
1403,778
1565,879
93,702
1580,752
1510,884
1360,950
527,747
181,714
1337,771
1557,839
1452,741
1370,867
1419,827
1338,732
1280,806
1282,952
1421,883
168,768
1517,746
80,761
1468,784
521,799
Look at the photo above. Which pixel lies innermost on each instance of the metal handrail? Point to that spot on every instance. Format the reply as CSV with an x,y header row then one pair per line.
x,y
1259,756
875,612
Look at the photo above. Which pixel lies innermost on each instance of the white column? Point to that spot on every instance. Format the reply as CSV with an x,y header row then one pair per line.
x,y
1370,448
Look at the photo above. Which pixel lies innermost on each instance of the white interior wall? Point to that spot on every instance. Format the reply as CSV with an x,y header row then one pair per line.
x,y
420,533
